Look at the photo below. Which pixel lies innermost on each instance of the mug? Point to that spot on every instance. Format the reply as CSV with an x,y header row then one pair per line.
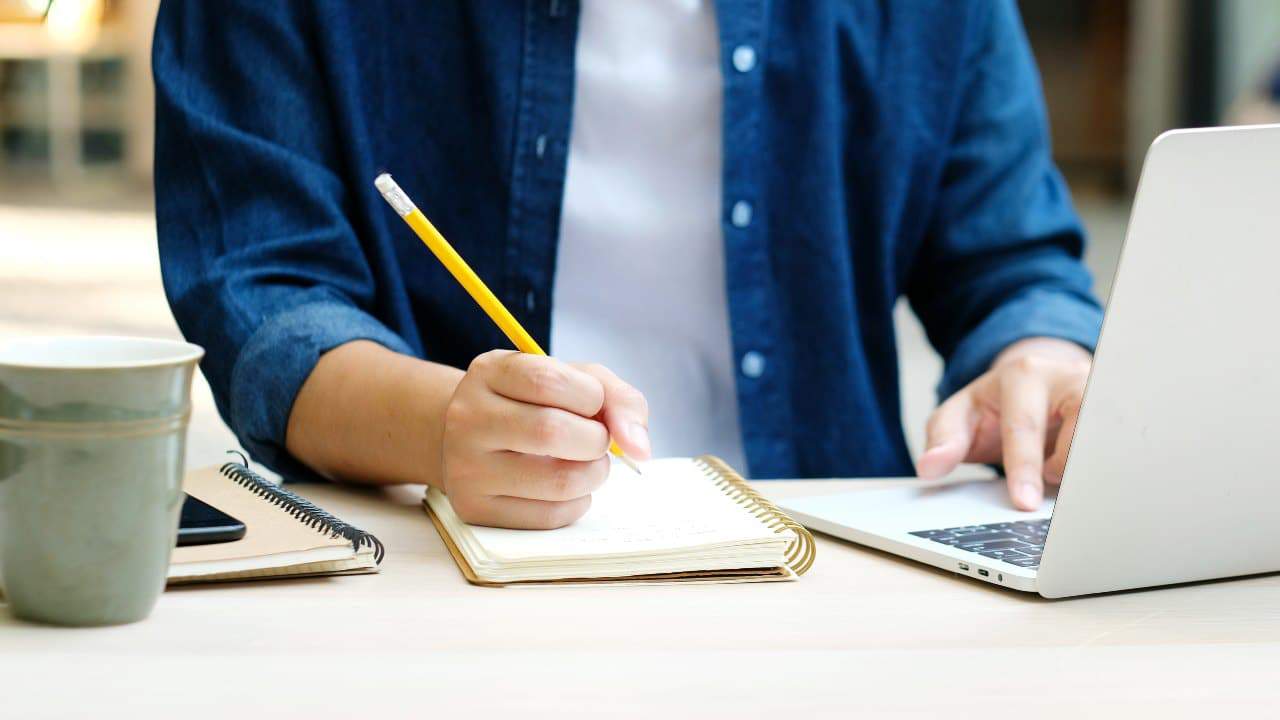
x,y
92,445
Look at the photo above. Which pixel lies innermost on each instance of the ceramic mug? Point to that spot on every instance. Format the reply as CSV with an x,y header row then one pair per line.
x,y
92,445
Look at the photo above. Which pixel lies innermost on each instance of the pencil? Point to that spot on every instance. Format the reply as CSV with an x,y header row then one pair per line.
x,y
467,277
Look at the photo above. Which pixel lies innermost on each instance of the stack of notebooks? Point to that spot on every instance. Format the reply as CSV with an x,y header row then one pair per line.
x,y
286,535
684,520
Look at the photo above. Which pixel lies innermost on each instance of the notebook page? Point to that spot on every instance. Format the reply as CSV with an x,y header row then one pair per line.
x,y
672,506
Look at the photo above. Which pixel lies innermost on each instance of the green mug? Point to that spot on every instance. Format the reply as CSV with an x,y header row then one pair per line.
x,y
92,444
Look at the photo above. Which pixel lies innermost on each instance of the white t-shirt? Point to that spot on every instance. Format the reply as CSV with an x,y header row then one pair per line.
x,y
640,279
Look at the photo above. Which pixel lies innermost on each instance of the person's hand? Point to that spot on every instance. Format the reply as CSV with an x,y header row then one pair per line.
x,y
1020,411
526,438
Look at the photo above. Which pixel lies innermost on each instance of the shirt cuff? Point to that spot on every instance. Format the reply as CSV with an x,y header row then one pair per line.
x,y
1037,313
274,363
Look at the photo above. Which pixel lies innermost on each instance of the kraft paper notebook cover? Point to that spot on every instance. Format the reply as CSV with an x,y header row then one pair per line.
x,y
286,535
685,520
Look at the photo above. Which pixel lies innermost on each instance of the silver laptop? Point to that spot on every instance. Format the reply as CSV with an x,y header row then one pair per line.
x,y
1174,470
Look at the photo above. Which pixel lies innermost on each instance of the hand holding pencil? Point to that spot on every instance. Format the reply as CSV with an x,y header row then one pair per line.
x,y
525,434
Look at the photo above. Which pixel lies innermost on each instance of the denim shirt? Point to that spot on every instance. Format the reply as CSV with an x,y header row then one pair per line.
x,y
883,149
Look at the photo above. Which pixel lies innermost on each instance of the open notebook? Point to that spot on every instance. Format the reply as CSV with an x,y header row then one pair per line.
x,y
286,535
683,520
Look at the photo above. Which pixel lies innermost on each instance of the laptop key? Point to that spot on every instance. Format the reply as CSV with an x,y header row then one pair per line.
x,y
1002,544
985,537
1023,561
932,534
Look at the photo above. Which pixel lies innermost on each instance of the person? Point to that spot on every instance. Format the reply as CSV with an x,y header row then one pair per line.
x,y
719,205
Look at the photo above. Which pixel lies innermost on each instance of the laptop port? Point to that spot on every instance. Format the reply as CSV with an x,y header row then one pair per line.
x,y
983,573
964,567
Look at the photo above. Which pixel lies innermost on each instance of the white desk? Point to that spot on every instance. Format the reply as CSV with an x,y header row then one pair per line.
x,y
862,631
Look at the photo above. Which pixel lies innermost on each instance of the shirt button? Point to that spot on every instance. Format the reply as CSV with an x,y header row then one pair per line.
x,y
744,58
752,364
740,215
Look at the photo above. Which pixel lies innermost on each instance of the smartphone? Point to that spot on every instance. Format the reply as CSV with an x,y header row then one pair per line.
x,y
204,524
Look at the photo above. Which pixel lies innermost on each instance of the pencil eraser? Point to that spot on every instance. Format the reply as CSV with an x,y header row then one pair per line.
x,y
394,196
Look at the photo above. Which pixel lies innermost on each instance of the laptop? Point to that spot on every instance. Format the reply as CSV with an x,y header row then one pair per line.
x,y
1174,470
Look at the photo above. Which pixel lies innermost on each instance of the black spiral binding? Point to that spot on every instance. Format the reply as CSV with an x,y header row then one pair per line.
x,y
300,508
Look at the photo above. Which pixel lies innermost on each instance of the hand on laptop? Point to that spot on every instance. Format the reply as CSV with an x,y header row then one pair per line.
x,y
1021,412
526,438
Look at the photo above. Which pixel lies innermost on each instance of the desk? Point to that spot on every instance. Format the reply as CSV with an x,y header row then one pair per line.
x,y
863,630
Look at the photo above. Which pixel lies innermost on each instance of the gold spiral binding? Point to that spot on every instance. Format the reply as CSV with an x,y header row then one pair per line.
x,y
801,551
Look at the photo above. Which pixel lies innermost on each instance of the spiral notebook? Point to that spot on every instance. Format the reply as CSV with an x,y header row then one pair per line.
x,y
286,535
685,520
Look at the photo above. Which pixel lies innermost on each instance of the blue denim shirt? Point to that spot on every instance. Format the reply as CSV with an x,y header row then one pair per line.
x,y
886,149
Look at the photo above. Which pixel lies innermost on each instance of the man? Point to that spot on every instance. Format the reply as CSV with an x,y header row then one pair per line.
x,y
720,204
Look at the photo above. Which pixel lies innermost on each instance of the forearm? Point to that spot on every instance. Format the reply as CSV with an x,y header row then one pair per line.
x,y
370,415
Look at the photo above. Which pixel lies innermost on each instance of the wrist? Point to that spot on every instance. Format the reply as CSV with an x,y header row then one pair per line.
x,y
1045,348
427,390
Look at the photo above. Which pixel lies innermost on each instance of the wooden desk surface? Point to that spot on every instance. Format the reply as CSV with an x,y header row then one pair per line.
x,y
863,631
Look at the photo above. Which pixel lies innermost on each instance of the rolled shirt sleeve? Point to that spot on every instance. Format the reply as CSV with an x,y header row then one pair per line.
x,y
1038,312
260,262
1002,259
275,361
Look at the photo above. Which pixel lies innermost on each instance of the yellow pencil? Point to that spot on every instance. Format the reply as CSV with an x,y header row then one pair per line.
x,y
467,277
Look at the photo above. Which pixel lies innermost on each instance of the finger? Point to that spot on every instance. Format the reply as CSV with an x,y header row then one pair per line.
x,y
1056,465
1024,410
541,380
625,412
519,513
536,477
949,435
539,430
986,439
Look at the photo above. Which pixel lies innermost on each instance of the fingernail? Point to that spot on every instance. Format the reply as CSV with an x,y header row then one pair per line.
x,y
639,436
1029,494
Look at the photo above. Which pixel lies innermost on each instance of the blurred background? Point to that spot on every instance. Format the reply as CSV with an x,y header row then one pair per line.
x,y
77,232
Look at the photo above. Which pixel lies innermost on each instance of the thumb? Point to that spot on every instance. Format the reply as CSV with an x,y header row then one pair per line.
x,y
949,435
625,412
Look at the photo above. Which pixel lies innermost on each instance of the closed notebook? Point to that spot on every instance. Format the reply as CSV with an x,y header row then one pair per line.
x,y
286,535
683,520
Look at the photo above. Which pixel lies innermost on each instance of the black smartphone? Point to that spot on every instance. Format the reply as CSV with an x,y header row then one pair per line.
x,y
204,524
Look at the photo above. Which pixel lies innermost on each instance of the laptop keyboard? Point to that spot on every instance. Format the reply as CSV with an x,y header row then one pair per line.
x,y
1017,543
